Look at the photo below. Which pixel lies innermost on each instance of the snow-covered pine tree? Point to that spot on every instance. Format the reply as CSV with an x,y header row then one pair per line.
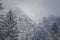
x,y
2,28
54,31
12,29
1,5
1,25
10,23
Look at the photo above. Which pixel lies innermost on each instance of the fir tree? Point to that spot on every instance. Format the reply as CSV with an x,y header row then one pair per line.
x,y
2,28
10,25
2,32
1,5
54,31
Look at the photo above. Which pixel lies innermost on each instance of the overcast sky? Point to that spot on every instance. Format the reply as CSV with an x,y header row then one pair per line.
x,y
35,9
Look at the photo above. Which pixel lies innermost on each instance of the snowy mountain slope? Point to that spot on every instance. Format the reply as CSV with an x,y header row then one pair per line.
x,y
25,24
30,30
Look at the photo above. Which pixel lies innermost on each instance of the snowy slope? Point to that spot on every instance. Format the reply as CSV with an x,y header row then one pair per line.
x,y
26,25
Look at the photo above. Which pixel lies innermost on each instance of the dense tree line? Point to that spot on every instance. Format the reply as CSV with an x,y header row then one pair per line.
x,y
28,29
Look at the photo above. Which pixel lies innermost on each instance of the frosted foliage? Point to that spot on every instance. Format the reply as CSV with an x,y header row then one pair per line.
x,y
28,29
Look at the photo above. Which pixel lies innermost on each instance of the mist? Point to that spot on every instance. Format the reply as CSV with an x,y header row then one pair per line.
x,y
35,9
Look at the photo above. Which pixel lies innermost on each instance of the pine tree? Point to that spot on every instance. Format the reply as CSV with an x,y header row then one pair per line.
x,y
1,25
10,25
1,5
2,28
54,31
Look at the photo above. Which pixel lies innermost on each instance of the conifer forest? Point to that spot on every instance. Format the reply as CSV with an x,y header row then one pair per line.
x,y
29,20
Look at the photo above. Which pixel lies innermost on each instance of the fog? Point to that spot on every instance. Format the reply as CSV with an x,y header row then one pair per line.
x,y
35,9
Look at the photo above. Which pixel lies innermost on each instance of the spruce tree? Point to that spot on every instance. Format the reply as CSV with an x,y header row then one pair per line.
x,y
1,5
10,25
2,28
54,31
2,32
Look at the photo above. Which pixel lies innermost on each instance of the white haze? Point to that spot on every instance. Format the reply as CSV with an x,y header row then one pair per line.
x,y
35,9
